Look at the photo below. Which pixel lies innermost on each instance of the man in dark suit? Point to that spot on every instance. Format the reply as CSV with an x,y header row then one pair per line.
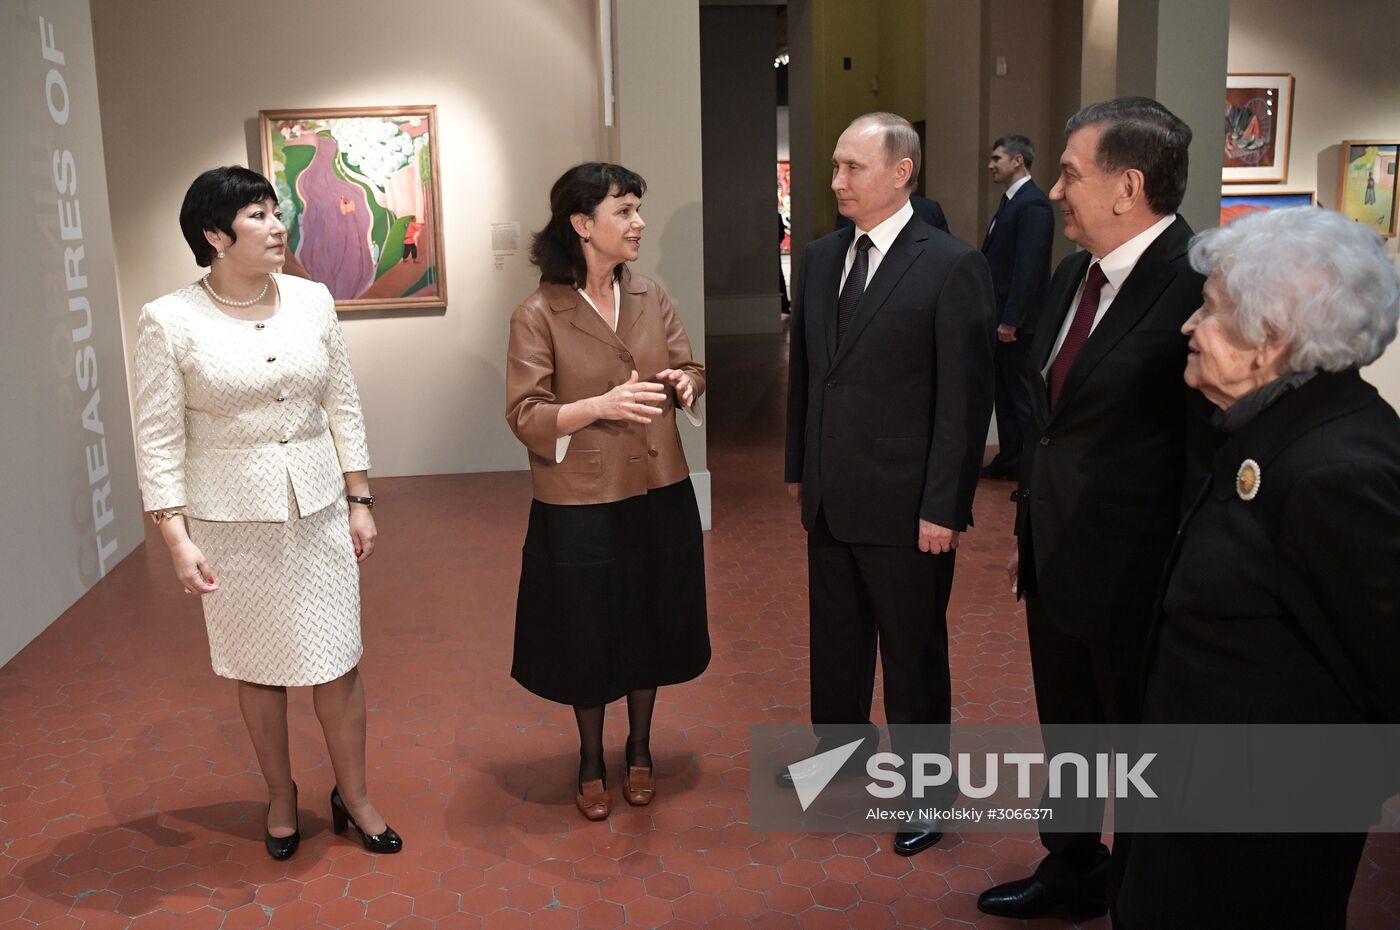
x,y
1104,467
1017,247
889,396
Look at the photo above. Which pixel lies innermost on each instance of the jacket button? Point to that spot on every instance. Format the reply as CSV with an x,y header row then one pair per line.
x,y
281,442
272,358
831,383
624,357
652,452
259,326
1045,440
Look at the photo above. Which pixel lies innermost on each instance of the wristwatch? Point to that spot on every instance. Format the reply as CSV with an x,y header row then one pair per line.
x,y
367,501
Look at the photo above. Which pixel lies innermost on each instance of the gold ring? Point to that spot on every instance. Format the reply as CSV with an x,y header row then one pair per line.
x,y
188,591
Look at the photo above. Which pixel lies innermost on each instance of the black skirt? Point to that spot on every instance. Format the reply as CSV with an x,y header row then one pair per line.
x,y
612,597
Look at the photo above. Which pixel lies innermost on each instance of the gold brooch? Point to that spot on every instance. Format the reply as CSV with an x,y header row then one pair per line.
x,y
1248,479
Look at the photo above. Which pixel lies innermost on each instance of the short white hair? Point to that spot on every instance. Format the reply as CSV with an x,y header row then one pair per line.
x,y
1318,280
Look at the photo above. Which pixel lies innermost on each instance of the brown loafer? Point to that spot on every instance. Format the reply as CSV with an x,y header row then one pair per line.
x,y
638,787
593,802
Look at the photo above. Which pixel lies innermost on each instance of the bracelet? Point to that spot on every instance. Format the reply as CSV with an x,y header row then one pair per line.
x,y
160,516
367,501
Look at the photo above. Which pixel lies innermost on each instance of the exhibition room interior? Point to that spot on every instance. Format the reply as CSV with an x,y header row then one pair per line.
x,y
129,793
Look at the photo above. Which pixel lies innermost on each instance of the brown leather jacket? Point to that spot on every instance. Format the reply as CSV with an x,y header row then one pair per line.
x,y
562,351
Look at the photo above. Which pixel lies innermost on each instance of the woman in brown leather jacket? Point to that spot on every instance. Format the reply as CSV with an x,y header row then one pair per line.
x,y
612,580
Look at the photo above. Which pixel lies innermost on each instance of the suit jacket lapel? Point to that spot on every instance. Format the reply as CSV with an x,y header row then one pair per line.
x,y
1058,307
629,309
564,299
906,247
828,283
1140,291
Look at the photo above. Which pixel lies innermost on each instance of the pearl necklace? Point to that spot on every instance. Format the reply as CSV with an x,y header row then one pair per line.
x,y
235,303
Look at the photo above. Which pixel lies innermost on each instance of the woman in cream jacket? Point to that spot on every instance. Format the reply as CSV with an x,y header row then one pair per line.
x,y
253,464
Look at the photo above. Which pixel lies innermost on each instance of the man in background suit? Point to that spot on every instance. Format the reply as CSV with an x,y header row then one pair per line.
x,y
889,396
1104,467
1018,250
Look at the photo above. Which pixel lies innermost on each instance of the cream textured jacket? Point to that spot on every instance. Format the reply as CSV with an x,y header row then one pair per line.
x,y
228,410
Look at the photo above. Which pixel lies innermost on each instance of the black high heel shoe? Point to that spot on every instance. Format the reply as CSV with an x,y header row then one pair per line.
x,y
386,842
282,847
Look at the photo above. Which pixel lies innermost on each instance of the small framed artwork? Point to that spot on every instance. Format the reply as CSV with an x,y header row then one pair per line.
x,y
1258,121
1366,189
358,190
1234,206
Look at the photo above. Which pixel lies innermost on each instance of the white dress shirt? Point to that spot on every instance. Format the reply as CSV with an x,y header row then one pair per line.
x,y
1116,265
881,237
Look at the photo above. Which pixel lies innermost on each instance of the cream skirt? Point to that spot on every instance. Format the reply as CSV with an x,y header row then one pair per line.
x,y
287,611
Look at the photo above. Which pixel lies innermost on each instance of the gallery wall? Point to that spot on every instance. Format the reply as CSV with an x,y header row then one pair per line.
x,y
69,509
1346,86
517,90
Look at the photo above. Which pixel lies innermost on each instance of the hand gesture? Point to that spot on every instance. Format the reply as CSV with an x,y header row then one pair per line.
x,y
638,401
681,381
935,539
191,570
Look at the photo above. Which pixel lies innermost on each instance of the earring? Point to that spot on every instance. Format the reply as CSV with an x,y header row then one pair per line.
x,y
220,254
585,239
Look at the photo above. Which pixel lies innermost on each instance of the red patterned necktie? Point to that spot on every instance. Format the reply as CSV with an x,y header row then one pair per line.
x,y
1078,331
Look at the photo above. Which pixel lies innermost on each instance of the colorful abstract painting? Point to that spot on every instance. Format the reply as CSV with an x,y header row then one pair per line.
x,y
358,190
1366,190
1234,206
1258,117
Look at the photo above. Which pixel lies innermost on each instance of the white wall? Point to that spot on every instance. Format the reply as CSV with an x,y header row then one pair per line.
x,y
1346,86
70,510
517,90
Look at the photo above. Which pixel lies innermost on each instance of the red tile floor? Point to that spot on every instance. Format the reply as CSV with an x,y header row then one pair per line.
x,y
130,795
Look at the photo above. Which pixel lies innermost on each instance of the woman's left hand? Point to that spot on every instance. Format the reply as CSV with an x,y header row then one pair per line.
x,y
362,531
680,380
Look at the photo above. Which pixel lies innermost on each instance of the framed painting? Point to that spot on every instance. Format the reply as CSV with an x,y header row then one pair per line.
x,y
1258,122
358,190
1234,206
1366,188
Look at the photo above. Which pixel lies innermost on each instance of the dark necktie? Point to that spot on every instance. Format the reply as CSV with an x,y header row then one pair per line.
x,y
1078,331
853,288
1001,205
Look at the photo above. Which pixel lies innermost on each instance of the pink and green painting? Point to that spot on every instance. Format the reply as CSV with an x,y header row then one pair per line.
x,y
358,191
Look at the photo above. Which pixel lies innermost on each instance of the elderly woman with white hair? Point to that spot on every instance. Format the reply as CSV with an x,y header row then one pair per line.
x,y
1281,602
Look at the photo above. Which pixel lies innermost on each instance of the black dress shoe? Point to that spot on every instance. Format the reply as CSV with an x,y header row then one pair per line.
x,y
282,847
386,842
913,842
1029,898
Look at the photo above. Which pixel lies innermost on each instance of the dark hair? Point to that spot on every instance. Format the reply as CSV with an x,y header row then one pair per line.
x,y
556,250
212,202
1138,132
1017,145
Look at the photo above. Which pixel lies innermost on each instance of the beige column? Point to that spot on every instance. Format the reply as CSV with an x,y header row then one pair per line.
x,y
656,61
955,153
1176,52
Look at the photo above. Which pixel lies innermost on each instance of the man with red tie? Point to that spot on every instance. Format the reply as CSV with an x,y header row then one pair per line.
x,y
1104,467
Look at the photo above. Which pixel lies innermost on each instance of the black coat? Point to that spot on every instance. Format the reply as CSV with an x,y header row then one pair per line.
x,y
1103,474
1286,608
1280,609
1018,251
889,427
